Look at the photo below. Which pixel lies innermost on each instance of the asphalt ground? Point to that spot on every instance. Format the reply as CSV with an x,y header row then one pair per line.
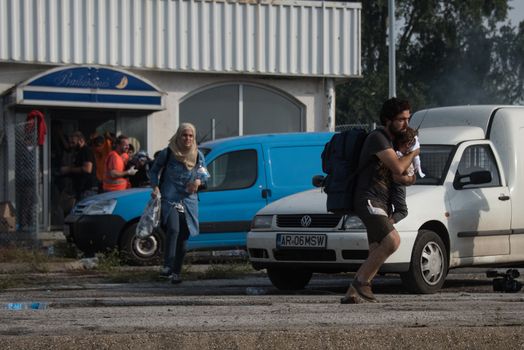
x,y
92,310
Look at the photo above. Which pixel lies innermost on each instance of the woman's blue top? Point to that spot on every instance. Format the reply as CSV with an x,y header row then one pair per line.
x,y
173,187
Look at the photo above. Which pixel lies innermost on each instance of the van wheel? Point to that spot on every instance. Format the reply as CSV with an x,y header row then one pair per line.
x,y
136,251
289,279
428,266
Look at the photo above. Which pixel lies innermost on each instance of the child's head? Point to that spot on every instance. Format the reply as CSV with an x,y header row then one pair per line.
x,y
405,140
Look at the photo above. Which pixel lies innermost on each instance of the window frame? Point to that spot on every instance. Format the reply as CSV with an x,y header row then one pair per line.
x,y
256,170
491,158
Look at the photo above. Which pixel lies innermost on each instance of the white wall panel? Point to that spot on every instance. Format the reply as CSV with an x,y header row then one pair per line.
x,y
306,38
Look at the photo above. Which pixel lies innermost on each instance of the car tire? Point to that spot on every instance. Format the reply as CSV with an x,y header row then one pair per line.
x,y
429,264
289,279
136,251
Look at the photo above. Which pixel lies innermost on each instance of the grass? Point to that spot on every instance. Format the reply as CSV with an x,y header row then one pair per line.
x,y
28,259
142,276
190,272
109,261
22,255
7,281
219,271
32,255
30,268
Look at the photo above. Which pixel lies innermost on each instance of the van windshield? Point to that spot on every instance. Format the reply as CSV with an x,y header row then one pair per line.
x,y
204,150
434,160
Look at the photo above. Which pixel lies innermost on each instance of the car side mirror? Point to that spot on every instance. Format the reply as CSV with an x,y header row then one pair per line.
x,y
475,178
318,180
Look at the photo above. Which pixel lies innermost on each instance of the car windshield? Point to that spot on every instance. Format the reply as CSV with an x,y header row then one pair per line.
x,y
434,160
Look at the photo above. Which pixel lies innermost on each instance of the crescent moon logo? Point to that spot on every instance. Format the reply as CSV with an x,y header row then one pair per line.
x,y
123,83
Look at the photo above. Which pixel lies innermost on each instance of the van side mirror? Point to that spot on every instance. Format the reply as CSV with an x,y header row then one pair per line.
x,y
480,177
475,178
318,180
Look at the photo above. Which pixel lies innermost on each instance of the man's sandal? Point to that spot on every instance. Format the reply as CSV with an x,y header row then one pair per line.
x,y
358,293
364,290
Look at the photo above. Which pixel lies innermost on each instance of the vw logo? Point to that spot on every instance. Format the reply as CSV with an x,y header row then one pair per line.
x,y
305,221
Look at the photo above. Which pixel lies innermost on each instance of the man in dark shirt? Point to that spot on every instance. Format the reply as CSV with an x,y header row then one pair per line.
x,y
372,195
82,172
141,162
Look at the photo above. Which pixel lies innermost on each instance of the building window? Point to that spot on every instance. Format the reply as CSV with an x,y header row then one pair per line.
x,y
240,109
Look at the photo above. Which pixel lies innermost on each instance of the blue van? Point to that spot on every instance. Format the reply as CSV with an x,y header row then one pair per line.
x,y
247,173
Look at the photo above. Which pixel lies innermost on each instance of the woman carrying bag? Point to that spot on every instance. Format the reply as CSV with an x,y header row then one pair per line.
x,y
182,167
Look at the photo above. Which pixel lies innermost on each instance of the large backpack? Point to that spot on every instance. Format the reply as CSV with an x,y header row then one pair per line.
x,y
340,159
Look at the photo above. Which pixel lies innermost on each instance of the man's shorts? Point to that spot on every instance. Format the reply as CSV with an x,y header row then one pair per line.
x,y
375,217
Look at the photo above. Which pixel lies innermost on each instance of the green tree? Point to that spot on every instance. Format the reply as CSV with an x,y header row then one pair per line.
x,y
448,52
507,72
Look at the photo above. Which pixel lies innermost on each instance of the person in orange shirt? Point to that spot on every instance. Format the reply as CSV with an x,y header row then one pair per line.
x,y
115,177
101,147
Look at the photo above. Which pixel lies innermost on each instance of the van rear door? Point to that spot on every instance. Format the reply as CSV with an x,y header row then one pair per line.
x,y
232,198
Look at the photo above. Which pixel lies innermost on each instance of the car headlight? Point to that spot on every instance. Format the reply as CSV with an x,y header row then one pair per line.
x,y
353,223
101,207
262,221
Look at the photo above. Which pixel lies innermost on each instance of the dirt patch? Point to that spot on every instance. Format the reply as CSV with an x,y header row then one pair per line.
x,y
314,338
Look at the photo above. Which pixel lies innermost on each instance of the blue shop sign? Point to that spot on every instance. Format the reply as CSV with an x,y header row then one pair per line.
x,y
90,86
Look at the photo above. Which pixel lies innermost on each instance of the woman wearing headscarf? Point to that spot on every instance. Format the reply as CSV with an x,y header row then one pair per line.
x,y
178,186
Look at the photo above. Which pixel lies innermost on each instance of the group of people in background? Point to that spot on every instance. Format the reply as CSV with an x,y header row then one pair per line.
x,y
83,167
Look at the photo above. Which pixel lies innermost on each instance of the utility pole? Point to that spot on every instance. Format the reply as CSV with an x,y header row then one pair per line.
x,y
391,51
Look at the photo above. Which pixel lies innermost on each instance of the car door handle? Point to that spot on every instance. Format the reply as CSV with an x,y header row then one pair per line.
x,y
266,192
503,197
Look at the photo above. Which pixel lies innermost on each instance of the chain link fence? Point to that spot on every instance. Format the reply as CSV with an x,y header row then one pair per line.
x,y
344,127
23,145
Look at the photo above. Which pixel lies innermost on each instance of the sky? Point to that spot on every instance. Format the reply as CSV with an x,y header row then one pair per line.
x,y
516,15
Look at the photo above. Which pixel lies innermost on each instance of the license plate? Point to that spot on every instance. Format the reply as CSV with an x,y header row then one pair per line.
x,y
285,240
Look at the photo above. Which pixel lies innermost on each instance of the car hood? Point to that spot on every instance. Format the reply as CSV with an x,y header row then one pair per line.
x,y
314,201
307,202
130,203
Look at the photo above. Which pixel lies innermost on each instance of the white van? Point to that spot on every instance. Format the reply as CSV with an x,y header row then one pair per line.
x,y
465,212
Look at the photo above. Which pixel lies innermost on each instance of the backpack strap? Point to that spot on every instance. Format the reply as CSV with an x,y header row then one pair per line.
x,y
168,158
164,167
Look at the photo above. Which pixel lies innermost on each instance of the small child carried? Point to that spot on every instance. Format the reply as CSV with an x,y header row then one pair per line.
x,y
404,143
408,142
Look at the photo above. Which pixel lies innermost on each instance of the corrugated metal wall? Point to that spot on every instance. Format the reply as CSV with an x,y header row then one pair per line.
x,y
309,38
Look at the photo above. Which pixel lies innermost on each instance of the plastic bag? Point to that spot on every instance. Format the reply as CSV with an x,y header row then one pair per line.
x,y
149,219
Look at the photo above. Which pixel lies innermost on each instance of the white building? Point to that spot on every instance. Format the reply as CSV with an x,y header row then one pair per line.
x,y
140,67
